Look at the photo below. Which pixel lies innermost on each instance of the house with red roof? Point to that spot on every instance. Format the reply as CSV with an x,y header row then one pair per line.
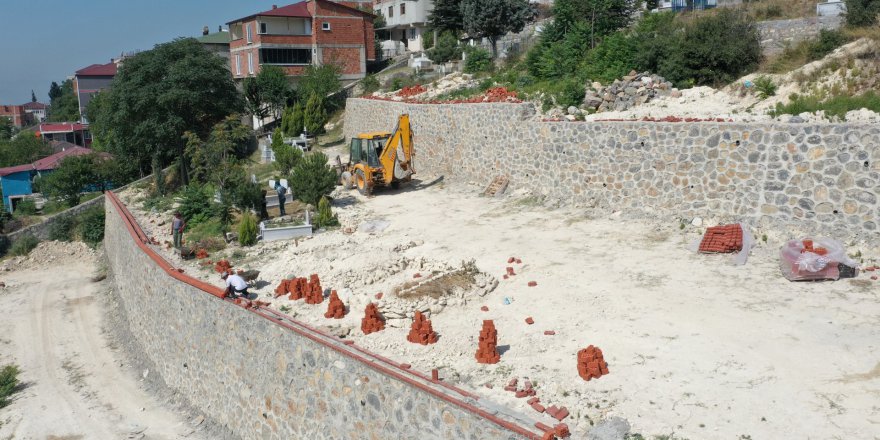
x,y
37,110
310,32
16,114
73,132
17,182
90,80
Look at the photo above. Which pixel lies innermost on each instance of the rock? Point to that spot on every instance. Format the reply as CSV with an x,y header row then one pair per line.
x,y
675,93
572,110
597,86
614,428
697,221
570,118
796,120
631,91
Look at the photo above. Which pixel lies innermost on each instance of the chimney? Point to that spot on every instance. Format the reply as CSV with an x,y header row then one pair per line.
x,y
274,6
205,30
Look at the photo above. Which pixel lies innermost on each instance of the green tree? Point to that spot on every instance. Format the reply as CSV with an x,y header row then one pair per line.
x,y
6,128
286,156
267,93
446,16
160,94
314,115
319,80
446,49
73,176
494,18
217,160
24,148
293,123
247,230
862,12
721,47
601,16
54,91
65,107
325,216
33,96
312,178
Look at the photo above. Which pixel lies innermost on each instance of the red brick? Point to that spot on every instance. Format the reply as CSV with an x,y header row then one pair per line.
x,y
561,414
533,283
549,332
530,321
538,407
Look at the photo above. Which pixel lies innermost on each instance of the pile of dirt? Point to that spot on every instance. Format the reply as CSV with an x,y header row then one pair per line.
x,y
50,253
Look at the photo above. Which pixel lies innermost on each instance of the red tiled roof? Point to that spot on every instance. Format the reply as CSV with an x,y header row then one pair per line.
x,y
300,9
108,69
16,169
60,127
51,162
35,106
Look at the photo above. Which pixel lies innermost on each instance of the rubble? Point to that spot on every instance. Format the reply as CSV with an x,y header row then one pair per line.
x,y
633,90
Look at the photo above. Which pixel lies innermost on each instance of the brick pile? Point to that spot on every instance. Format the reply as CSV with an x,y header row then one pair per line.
x,y
487,353
808,247
372,321
411,91
201,254
335,308
223,266
297,288
495,94
722,239
314,294
591,363
421,332
282,287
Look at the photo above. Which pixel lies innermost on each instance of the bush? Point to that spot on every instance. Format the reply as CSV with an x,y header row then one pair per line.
x,y
718,48
325,215
827,41
9,383
247,230
249,196
312,179
477,60
91,225
611,59
26,207
292,123
765,87
196,204
862,12
62,228
836,106
24,245
446,49
370,84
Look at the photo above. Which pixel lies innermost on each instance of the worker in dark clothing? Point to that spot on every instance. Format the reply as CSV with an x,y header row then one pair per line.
x,y
282,197
177,227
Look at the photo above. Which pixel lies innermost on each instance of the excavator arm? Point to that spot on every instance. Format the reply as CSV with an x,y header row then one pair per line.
x,y
397,156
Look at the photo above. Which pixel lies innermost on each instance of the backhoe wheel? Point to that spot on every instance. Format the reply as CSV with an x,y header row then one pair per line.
x,y
346,180
362,184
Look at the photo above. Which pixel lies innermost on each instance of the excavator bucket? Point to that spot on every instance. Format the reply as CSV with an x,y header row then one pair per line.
x,y
397,156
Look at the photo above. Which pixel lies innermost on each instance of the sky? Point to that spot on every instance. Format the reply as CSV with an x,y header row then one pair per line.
x,y
48,40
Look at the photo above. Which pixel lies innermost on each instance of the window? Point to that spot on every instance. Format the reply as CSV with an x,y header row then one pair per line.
x,y
412,33
250,38
286,56
238,64
403,9
250,63
391,11
264,28
325,26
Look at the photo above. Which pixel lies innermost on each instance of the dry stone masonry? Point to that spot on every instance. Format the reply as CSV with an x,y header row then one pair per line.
x,y
816,179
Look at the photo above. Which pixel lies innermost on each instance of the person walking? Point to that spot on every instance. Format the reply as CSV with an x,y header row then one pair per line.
x,y
282,199
177,227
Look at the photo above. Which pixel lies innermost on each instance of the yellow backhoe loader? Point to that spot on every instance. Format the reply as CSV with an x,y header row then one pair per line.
x,y
379,159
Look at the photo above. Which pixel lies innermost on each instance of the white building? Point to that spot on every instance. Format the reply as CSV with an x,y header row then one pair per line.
x,y
406,21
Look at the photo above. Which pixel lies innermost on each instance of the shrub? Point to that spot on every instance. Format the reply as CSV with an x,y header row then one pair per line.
x,y
862,12
765,87
312,178
827,41
325,215
249,196
9,383
370,84
292,123
24,245
314,115
196,204
91,225
477,60
611,59
26,207
719,48
836,106
446,49
62,228
247,230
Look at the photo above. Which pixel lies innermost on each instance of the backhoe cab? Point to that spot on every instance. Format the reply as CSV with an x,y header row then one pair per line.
x,y
379,159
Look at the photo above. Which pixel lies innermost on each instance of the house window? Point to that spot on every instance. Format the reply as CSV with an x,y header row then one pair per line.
x,y
238,64
250,63
391,11
325,26
403,9
264,28
412,33
250,38
286,56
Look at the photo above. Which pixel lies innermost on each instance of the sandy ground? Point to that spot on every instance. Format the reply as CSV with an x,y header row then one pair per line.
x,y
76,386
696,347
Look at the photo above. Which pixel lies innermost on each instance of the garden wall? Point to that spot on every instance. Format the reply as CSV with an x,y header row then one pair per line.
x,y
794,178
777,34
43,229
263,376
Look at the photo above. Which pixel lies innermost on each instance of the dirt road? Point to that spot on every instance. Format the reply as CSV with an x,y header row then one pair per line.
x,y
76,386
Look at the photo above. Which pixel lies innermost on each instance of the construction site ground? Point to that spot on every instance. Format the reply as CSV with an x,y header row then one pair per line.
x,y
696,347
76,385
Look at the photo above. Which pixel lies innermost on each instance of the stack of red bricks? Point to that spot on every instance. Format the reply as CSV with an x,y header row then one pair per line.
x,y
557,413
808,247
335,308
282,288
421,331
487,353
372,321
298,288
722,239
314,294
591,364
223,266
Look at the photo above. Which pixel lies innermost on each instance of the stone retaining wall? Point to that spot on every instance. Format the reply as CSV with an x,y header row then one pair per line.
x,y
794,178
264,377
41,230
777,34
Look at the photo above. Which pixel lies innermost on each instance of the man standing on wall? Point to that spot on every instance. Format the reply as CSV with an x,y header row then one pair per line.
x,y
177,226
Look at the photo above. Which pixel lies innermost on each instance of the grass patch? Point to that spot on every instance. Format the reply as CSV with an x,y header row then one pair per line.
x,y
24,245
797,55
835,106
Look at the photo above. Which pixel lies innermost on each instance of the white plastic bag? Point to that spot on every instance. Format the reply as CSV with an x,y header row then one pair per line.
x,y
798,263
